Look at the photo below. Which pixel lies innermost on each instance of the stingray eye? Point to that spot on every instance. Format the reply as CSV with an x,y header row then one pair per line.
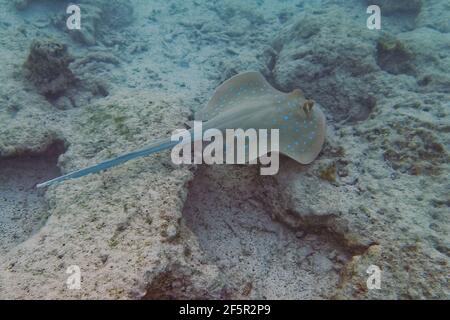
x,y
307,106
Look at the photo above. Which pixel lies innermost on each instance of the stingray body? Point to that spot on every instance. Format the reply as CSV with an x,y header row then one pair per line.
x,y
246,101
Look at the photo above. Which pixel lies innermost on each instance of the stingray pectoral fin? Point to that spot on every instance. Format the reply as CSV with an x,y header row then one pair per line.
x,y
296,93
153,148
234,91
305,142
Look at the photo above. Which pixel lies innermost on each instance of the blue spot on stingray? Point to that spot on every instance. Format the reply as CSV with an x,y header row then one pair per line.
x,y
286,117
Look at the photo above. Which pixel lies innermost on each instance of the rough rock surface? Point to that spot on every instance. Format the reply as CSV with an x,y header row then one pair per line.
x,y
90,219
377,194
382,193
431,16
319,54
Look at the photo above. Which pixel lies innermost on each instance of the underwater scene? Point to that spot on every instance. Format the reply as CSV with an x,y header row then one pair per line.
x,y
225,150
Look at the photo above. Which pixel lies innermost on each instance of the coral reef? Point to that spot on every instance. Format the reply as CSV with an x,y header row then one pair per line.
x,y
64,80
394,56
48,66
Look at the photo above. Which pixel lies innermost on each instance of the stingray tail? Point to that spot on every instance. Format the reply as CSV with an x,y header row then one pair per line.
x,y
153,148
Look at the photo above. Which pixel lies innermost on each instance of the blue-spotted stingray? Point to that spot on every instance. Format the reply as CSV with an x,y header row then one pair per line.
x,y
246,101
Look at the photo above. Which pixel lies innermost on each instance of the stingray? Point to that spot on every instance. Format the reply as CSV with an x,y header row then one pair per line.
x,y
246,101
